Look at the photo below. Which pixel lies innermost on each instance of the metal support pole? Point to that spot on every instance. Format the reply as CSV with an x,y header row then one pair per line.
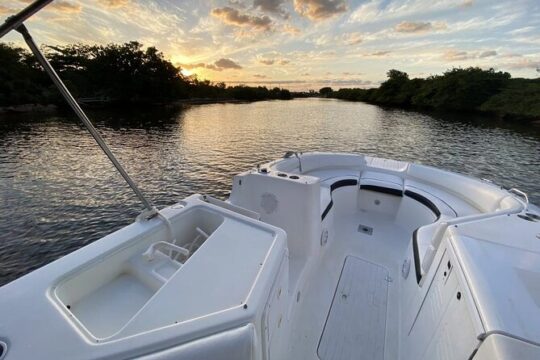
x,y
151,210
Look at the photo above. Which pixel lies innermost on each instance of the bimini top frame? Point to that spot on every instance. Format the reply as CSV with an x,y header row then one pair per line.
x,y
16,22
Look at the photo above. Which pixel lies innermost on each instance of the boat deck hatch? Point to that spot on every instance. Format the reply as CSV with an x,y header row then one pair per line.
x,y
356,323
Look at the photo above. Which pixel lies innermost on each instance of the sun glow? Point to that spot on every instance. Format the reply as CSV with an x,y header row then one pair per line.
x,y
186,72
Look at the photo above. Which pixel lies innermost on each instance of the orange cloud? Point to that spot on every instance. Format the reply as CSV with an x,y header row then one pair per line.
x,y
455,55
320,9
412,27
5,10
114,3
60,5
419,27
234,17
354,38
219,65
293,30
66,7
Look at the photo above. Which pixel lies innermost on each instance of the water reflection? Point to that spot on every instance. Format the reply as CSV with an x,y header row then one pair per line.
x,y
59,192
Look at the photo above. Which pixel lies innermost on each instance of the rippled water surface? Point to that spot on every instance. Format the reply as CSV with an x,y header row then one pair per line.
x,y
58,192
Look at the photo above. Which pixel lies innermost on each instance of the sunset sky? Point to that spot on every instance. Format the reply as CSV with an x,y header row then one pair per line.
x,y
304,44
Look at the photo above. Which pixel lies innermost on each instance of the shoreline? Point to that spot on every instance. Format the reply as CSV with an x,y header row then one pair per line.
x,y
52,108
513,118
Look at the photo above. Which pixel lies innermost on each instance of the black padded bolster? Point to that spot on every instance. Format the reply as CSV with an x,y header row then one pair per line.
x,y
327,210
382,189
342,183
416,254
424,201
334,186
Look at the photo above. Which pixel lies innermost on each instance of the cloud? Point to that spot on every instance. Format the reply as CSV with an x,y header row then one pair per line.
x,y
114,3
219,65
488,53
522,30
336,82
234,17
272,6
290,29
259,76
224,63
274,61
419,27
455,55
372,11
320,9
267,61
66,7
63,6
322,40
380,53
237,3
354,38
524,64
5,10
272,58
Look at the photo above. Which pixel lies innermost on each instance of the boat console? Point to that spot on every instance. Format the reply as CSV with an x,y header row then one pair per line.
x,y
201,270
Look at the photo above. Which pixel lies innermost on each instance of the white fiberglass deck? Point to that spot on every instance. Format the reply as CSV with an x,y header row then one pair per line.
x,y
368,265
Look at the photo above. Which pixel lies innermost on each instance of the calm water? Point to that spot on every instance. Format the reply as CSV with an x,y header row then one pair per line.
x,y
58,192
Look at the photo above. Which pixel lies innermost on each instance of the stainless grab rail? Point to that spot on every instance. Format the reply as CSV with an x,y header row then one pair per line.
x,y
521,194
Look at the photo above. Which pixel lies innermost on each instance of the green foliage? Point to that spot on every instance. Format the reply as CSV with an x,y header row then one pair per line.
x,y
325,91
19,80
124,73
460,89
350,94
242,92
520,98
470,89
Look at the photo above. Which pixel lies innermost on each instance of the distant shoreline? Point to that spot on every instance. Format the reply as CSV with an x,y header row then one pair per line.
x,y
498,116
51,108
471,90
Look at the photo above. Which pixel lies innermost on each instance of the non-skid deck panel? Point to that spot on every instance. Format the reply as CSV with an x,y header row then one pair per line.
x,y
356,324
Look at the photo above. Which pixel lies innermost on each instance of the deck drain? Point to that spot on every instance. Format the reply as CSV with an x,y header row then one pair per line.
x,y
365,229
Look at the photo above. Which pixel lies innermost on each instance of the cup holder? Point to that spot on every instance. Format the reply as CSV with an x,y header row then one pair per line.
x,y
294,177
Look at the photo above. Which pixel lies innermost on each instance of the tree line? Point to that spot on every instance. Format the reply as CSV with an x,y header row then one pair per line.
x,y
122,73
469,90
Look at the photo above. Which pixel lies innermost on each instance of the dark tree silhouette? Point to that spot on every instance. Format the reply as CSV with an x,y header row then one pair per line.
x,y
469,89
123,73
